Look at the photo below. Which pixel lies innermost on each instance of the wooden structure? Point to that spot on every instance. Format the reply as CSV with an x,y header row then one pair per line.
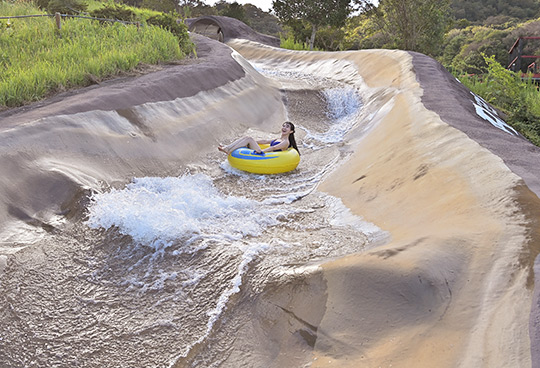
x,y
531,64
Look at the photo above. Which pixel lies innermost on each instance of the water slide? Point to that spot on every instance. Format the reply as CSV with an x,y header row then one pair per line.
x,y
406,237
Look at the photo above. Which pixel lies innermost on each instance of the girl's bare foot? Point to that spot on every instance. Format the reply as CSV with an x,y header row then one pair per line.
x,y
222,149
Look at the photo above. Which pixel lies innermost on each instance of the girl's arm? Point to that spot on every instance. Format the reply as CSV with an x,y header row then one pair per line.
x,y
281,146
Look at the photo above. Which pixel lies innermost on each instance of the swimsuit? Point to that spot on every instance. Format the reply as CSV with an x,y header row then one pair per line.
x,y
275,142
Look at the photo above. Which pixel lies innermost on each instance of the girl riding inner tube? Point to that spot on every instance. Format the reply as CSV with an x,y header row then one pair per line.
x,y
273,162
265,156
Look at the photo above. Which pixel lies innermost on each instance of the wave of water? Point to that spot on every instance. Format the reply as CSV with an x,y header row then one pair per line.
x,y
343,111
176,216
198,231
159,211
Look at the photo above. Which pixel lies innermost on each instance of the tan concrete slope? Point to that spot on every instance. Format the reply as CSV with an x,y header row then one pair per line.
x,y
454,286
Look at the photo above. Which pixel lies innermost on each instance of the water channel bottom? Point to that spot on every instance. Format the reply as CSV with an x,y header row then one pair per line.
x,y
155,275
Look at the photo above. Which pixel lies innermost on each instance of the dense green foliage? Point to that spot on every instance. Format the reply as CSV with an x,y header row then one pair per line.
x,y
120,11
317,13
235,10
37,59
168,21
66,6
519,100
114,11
290,44
416,25
62,6
480,10
262,21
463,47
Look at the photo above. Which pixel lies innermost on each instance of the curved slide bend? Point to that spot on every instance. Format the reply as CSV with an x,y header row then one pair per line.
x,y
431,164
458,191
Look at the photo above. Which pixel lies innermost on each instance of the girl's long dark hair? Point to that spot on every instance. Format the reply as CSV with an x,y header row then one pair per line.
x,y
292,140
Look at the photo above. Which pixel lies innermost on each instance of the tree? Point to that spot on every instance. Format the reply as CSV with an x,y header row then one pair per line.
x,y
198,10
235,10
362,32
164,6
479,10
262,21
330,38
317,13
416,25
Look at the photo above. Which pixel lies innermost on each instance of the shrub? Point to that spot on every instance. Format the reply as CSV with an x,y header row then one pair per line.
x,y
330,38
171,23
290,44
72,7
42,4
159,5
114,11
505,90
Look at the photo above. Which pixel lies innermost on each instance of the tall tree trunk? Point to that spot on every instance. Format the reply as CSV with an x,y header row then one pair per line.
x,y
312,39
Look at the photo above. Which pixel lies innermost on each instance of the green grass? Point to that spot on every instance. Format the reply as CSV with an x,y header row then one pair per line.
x,y
505,90
142,13
36,59
290,44
531,95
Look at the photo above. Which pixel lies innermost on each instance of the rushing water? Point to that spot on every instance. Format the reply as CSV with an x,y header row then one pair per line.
x,y
154,271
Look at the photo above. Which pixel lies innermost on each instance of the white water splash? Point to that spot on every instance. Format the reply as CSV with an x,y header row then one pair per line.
x,y
159,211
344,105
342,102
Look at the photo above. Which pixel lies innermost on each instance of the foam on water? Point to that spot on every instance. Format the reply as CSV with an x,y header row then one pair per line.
x,y
289,73
343,110
159,211
327,73
342,102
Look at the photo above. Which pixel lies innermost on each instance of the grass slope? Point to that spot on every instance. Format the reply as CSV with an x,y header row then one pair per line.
x,y
37,59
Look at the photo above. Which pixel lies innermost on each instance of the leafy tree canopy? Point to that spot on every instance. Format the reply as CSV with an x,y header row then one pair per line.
x,y
262,21
480,10
464,47
317,13
235,10
416,25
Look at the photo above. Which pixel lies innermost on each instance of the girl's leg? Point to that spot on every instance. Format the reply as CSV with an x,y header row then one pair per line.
x,y
241,142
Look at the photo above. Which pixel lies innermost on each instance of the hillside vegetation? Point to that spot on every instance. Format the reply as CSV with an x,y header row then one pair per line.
x,y
471,38
473,45
37,59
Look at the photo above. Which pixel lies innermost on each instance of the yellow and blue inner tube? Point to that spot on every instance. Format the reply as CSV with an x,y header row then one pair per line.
x,y
264,163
